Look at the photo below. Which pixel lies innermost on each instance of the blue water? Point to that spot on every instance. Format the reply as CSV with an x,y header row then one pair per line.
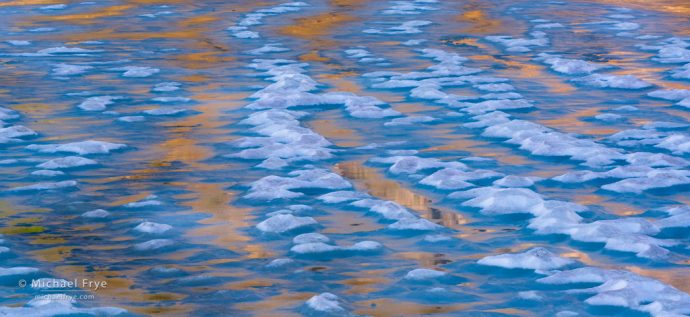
x,y
344,158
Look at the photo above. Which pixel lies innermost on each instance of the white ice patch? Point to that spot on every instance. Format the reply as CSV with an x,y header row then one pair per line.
x,y
166,86
326,303
538,259
96,213
152,227
424,274
409,27
613,81
520,45
569,66
70,70
277,187
98,103
153,244
81,148
625,289
137,71
67,162
284,223
45,186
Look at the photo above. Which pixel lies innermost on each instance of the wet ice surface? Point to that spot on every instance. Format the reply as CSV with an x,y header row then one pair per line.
x,y
344,158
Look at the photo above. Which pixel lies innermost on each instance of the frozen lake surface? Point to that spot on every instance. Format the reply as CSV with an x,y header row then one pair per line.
x,y
345,158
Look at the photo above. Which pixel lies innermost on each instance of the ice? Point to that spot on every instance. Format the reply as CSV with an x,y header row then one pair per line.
x,y
54,6
495,87
313,248
138,71
520,45
682,72
538,259
45,186
268,48
171,99
19,270
684,103
569,66
493,105
494,200
165,111
275,187
670,94
246,35
153,244
326,303
424,274
548,26
530,295
413,42
409,120
166,87
417,224
65,50
19,42
279,263
9,134
625,289
310,238
152,227
131,119
67,162
516,181
454,178
626,26
341,196
405,164
58,305
98,103
81,148
143,203
655,160
654,179
408,27
285,223
613,81
96,213
679,218
69,70
676,143
387,209
609,117
47,173
322,247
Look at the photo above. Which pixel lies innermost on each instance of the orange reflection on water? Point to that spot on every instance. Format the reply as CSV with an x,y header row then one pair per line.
x,y
376,184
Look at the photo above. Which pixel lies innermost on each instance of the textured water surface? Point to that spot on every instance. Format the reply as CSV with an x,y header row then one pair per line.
x,y
345,158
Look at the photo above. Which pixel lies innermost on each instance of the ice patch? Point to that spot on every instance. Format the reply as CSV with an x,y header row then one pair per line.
x,y
96,213
625,289
276,187
538,259
152,227
613,81
70,70
67,162
81,148
45,186
98,103
424,274
284,223
326,303
569,66
153,244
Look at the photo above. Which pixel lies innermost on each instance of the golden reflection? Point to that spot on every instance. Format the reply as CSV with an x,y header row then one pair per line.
x,y
387,307
376,184
478,21
572,122
279,305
